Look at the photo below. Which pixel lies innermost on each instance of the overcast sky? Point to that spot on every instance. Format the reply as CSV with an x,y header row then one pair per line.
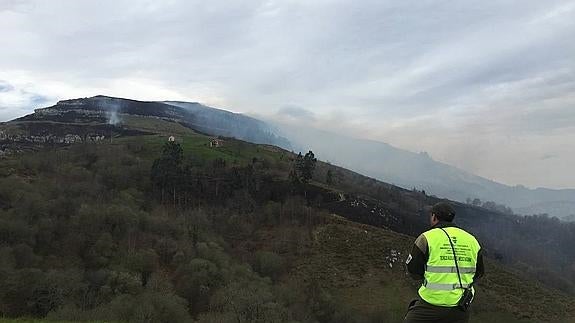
x,y
488,86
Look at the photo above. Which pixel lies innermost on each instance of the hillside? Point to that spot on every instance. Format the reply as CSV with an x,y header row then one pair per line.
x,y
87,237
376,159
408,169
366,200
89,233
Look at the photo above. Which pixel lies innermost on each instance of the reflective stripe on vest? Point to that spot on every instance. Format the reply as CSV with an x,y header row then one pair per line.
x,y
450,269
444,286
441,285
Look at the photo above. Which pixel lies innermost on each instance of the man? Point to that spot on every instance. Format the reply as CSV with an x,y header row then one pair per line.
x,y
433,259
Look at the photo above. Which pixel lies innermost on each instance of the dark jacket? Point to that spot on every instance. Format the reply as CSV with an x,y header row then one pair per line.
x,y
419,255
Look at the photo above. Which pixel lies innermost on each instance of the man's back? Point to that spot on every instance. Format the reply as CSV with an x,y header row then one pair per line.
x,y
444,281
448,260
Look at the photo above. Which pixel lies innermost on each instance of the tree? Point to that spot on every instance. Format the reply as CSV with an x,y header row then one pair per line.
x,y
308,166
294,179
173,151
30,292
269,264
195,282
167,170
145,262
294,174
304,167
150,307
251,301
102,251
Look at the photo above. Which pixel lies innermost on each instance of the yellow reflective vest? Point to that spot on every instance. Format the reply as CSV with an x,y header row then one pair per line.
x,y
441,286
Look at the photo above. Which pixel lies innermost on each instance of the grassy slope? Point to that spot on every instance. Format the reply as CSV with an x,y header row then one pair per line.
x,y
195,145
357,261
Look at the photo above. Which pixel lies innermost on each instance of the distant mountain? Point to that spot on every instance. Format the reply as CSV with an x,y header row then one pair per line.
x,y
418,170
101,112
559,207
102,116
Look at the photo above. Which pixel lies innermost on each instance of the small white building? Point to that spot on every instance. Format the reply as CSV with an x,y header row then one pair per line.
x,y
216,143
171,139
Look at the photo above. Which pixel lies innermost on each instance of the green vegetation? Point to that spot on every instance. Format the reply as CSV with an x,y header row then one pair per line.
x,y
304,167
141,230
198,150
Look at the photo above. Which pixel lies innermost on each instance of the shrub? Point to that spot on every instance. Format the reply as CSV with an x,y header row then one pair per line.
x,y
269,264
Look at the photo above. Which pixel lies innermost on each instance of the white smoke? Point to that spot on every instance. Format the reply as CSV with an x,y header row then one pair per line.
x,y
113,118
112,106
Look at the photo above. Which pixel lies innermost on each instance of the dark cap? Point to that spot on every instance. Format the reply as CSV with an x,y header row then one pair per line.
x,y
443,211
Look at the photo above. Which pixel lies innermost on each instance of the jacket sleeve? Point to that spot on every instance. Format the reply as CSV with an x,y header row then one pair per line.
x,y
479,267
415,263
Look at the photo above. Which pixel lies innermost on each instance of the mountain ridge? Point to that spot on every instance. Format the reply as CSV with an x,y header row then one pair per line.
x,y
409,169
374,158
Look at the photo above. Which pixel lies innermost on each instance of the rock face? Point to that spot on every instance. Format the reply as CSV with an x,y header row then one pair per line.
x,y
105,109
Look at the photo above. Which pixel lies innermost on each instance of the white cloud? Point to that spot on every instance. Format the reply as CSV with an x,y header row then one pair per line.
x,y
425,75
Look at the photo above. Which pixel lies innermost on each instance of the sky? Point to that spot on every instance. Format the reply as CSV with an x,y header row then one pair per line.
x,y
487,86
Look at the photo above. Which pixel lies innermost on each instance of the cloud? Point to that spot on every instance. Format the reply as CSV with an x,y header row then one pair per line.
x,y
425,75
5,86
16,101
296,113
